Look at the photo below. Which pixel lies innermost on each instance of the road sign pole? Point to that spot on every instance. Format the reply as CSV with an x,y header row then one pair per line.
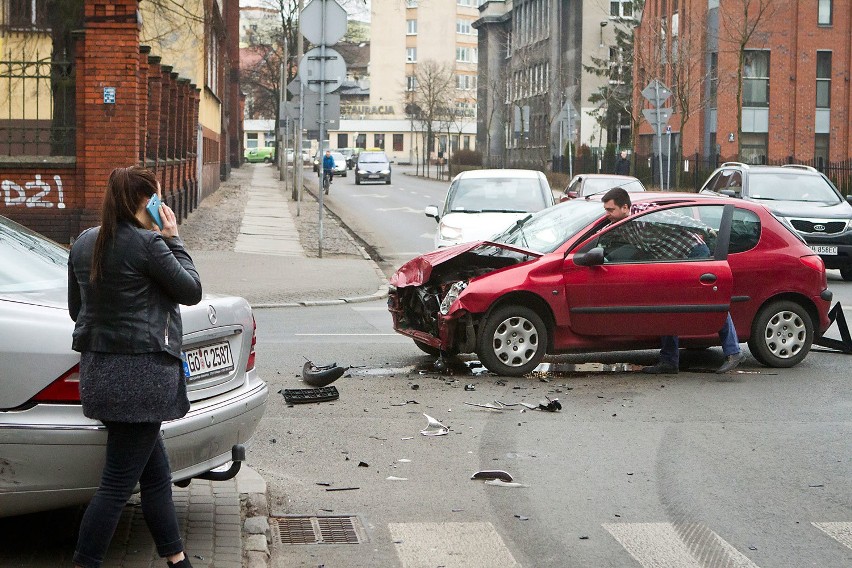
x,y
322,121
657,104
669,164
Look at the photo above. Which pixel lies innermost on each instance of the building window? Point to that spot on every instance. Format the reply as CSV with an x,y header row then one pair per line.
x,y
466,82
342,140
821,151
379,141
410,83
756,79
411,27
251,140
28,13
466,142
823,78
411,3
361,141
621,8
397,143
464,2
824,12
213,63
755,147
463,27
463,54
410,54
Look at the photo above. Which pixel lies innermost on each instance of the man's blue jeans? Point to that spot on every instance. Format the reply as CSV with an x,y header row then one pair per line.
x,y
135,453
670,354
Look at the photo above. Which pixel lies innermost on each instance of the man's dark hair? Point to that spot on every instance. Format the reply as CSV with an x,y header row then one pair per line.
x,y
618,195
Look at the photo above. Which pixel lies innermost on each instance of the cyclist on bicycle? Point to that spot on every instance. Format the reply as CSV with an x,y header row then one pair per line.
x,y
327,169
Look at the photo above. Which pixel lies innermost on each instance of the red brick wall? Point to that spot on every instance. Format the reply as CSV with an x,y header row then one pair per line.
x,y
793,37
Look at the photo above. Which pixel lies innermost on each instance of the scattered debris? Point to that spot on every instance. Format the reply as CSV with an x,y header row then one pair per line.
x,y
406,402
584,538
522,517
415,387
301,396
493,474
552,405
394,478
363,464
321,376
470,387
500,483
407,438
434,428
324,483
341,488
403,460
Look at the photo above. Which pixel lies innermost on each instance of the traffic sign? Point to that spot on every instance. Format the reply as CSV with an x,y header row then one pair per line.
x,y
656,92
312,22
657,116
294,87
311,116
311,67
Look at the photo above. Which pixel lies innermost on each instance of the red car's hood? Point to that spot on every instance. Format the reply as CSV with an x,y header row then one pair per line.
x,y
418,270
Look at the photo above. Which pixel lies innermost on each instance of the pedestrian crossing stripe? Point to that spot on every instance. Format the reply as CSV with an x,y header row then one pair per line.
x,y
841,532
451,545
666,545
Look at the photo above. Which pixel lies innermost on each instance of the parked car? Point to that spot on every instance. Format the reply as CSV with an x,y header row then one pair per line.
x,y
551,284
339,163
51,456
372,166
348,153
481,203
586,185
803,196
263,154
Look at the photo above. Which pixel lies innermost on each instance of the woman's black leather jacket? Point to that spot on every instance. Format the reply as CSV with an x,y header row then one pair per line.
x,y
133,308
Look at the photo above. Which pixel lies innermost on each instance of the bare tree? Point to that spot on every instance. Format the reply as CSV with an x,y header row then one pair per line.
x,y
434,85
741,22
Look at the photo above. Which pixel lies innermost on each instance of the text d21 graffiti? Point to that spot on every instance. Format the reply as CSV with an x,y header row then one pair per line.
x,y
35,193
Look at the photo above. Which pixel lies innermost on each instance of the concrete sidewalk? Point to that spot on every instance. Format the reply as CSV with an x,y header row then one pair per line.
x,y
273,261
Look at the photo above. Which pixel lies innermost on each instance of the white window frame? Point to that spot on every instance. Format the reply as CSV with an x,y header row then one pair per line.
x,y
411,27
619,6
463,55
463,27
410,82
410,54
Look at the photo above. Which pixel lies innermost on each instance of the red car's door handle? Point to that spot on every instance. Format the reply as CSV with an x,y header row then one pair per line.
x,y
708,278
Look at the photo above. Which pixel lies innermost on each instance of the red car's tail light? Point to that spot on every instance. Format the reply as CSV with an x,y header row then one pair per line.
x,y
64,390
250,363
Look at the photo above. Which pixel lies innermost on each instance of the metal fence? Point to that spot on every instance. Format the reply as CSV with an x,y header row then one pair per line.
x,y
37,116
690,173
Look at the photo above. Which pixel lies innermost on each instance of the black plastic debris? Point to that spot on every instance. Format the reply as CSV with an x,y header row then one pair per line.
x,y
493,474
302,396
321,376
552,405
363,464
470,387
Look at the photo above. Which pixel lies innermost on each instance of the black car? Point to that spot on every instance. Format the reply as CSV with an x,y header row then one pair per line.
x,y
801,195
372,166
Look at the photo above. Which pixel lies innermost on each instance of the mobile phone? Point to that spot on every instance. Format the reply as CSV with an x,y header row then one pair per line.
x,y
153,208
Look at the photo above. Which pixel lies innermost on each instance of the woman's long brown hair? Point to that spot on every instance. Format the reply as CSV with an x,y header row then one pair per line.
x,y
126,188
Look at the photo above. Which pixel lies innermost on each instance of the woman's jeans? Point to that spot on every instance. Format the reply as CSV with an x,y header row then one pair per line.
x,y
135,453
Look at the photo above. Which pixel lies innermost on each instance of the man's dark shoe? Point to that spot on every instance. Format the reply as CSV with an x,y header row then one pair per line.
x,y
731,363
661,369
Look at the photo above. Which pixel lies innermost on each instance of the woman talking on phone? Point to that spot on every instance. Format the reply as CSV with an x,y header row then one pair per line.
x,y
125,281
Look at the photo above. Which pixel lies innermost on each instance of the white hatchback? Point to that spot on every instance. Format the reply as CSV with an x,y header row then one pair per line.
x,y
482,203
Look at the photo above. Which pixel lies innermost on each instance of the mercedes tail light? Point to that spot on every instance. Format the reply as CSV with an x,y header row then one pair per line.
x,y
64,390
250,363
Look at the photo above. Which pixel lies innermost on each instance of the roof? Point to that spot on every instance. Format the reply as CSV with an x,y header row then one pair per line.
x,y
500,173
258,125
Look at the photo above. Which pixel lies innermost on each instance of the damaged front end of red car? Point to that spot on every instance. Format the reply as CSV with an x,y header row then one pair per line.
x,y
422,293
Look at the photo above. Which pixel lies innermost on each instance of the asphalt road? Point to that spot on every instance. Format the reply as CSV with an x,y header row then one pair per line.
x,y
750,469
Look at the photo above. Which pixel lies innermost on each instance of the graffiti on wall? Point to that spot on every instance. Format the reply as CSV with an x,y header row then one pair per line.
x,y
37,193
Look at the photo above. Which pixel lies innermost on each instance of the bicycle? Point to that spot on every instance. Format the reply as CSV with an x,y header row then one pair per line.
x,y
326,181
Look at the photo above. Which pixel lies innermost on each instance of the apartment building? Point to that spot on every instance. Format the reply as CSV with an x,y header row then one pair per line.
x,y
532,54
795,89
404,36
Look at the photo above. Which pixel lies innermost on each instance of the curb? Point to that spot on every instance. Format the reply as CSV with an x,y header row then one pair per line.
x,y
254,514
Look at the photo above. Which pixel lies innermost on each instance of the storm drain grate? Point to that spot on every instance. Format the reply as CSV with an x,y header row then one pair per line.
x,y
311,529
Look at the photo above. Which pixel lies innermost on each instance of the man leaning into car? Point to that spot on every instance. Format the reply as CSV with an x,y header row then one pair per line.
x,y
670,242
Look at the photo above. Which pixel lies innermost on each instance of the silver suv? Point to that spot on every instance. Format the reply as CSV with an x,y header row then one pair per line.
x,y
801,195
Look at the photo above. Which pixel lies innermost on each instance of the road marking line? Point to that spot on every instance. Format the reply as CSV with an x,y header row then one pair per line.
x,y
841,532
370,309
344,334
403,209
664,545
451,545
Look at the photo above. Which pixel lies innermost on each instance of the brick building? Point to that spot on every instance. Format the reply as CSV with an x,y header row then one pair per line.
x,y
796,91
93,88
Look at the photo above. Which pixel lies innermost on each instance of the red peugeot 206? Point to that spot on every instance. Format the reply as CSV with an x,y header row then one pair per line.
x,y
564,280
